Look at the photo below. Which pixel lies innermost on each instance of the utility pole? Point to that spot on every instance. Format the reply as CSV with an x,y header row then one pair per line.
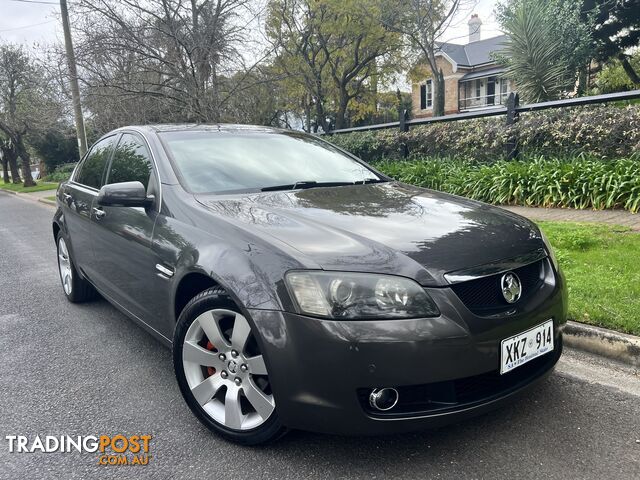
x,y
73,74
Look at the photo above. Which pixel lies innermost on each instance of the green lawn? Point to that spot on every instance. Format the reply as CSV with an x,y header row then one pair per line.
x,y
602,265
52,198
38,188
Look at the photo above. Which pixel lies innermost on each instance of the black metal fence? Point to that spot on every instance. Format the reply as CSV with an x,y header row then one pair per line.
x,y
512,110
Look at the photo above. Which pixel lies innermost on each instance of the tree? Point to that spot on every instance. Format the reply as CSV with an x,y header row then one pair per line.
x,y
29,103
548,47
616,30
613,78
291,26
424,23
388,106
17,80
5,166
57,145
331,51
9,161
260,102
162,61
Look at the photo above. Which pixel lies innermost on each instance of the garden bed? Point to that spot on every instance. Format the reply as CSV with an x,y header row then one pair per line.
x,y
578,182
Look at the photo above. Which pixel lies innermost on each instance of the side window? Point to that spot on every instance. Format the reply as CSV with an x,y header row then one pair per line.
x,y
131,161
91,170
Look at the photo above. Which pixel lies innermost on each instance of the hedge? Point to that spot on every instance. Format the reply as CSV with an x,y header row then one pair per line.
x,y
580,182
61,173
601,131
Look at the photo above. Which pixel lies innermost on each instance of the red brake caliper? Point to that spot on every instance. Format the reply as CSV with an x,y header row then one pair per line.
x,y
210,370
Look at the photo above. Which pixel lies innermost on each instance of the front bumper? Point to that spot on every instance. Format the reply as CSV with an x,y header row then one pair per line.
x,y
320,369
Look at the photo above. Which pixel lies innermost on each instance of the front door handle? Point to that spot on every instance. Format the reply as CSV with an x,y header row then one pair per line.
x,y
68,198
99,213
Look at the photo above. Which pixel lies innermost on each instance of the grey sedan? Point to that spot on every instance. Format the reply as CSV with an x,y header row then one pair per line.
x,y
300,288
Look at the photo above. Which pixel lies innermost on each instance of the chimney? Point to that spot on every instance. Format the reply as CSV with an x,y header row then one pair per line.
x,y
474,28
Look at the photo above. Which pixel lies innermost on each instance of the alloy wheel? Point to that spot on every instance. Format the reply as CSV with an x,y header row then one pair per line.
x,y
225,371
64,265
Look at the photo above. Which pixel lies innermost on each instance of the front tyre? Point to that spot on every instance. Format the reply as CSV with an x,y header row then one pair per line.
x,y
221,372
75,288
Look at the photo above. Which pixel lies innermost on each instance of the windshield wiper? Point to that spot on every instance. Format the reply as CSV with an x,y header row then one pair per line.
x,y
304,184
312,184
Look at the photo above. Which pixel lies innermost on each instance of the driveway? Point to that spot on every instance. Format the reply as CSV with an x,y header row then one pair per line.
x,y
87,370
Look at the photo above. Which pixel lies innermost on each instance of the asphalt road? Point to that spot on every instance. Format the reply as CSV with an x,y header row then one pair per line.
x,y
86,369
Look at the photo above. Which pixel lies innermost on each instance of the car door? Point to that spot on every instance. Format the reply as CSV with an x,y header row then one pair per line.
x,y
123,235
78,196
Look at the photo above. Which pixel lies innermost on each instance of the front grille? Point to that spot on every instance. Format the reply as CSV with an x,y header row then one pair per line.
x,y
484,295
464,392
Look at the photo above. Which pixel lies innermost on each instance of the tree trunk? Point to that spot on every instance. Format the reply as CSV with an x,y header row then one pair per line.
x,y
26,163
5,168
321,119
307,114
628,69
438,94
342,109
26,173
399,106
12,160
582,81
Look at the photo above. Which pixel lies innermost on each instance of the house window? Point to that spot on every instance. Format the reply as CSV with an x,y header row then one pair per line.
x,y
503,88
478,85
426,95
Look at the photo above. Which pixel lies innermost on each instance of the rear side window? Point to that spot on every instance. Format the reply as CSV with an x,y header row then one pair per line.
x,y
92,168
131,161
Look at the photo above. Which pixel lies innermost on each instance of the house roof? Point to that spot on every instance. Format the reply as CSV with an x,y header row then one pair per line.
x,y
489,72
474,53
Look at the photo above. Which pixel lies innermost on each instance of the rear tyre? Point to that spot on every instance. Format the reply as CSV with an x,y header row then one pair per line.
x,y
221,372
75,288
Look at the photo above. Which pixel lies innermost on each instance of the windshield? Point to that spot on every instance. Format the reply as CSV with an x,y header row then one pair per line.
x,y
219,161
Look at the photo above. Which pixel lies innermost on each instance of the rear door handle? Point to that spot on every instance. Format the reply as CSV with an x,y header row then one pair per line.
x,y
99,213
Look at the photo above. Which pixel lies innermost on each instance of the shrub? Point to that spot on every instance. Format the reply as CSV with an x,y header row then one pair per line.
x,y
579,182
603,131
61,173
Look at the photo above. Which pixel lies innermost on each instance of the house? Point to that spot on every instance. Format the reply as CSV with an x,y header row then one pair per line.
x,y
472,78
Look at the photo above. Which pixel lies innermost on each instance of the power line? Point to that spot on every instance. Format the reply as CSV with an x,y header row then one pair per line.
x,y
35,1
26,26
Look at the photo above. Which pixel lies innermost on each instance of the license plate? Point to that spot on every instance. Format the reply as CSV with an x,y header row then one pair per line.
x,y
526,346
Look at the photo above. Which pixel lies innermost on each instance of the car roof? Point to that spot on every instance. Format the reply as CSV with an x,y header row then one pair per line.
x,y
203,127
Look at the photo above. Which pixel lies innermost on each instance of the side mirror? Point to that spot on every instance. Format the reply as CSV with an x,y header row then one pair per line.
x,y
124,194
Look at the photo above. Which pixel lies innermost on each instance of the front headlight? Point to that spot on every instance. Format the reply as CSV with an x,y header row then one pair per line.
x,y
552,255
358,295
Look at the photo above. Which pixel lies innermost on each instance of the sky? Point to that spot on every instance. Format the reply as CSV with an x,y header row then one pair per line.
x,y
30,23
38,22
458,31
